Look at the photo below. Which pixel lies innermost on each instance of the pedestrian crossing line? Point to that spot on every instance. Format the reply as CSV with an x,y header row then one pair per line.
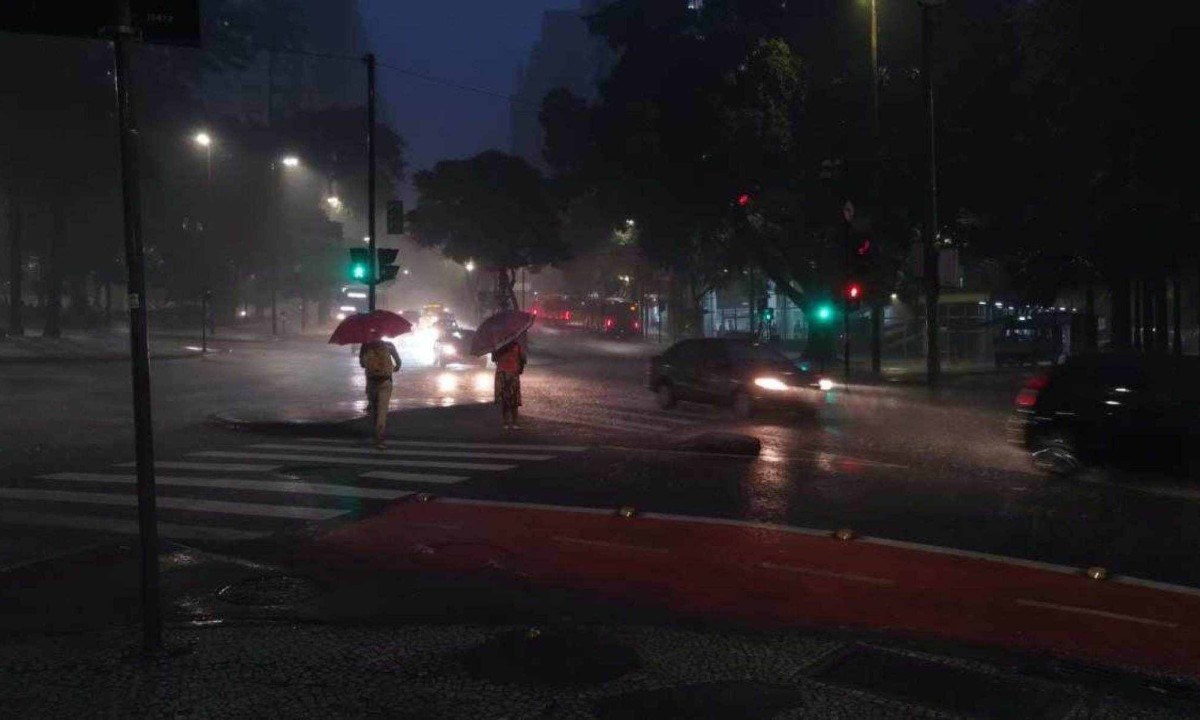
x,y
644,415
215,467
279,486
173,503
124,527
600,423
412,477
413,453
455,445
332,460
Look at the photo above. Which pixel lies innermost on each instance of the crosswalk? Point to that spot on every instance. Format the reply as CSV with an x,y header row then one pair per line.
x,y
631,419
255,490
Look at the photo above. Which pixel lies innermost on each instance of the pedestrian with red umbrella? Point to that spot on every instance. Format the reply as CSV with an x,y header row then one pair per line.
x,y
502,335
377,357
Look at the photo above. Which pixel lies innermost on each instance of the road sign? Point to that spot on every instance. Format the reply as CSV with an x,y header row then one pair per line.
x,y
168,22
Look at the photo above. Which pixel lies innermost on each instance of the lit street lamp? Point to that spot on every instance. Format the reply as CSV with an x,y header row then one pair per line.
x,y
291,161
204,140
470,266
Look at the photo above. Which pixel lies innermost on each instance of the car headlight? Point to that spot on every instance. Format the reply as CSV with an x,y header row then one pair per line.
x,y
770,383
825,384
449,350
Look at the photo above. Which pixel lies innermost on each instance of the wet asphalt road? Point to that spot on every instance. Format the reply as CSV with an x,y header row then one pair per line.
x,y
892,461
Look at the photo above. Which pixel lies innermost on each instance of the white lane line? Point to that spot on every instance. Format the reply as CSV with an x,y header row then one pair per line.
x,y
1098,613
279,486
516,447
173,503
125,527
1036,565
612,545
883,582
405,453
527,506
328,460
413,477
215,467
739,523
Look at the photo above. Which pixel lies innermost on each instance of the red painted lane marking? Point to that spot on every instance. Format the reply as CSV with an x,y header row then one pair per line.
x,y
731,570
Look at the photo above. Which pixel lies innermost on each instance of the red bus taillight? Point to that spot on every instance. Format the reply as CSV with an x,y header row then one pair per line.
x,y
1028,396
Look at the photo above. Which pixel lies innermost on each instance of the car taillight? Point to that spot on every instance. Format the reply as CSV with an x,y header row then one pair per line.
x,y
567,315
1028,396
608,322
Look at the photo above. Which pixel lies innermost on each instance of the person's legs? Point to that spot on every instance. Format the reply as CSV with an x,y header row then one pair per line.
x,y
371,388
383,396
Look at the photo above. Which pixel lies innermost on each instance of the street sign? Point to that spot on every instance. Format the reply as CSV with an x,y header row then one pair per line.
x,y
167,22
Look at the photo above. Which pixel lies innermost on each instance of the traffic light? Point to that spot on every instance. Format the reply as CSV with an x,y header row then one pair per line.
x,y
854,292
387,270
823,312
768,315
360,265
359,270
395,217
743,199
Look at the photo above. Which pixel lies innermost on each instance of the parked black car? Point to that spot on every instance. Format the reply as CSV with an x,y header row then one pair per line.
x,y
742,373
1141,410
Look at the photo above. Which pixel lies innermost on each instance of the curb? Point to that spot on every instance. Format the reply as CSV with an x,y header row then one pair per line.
x,y
346,426
69,360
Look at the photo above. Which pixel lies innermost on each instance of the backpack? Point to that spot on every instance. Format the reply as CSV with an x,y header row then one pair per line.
x,y
378,361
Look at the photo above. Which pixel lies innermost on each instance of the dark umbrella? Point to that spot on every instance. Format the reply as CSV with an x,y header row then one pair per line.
x,y
368,327
499,330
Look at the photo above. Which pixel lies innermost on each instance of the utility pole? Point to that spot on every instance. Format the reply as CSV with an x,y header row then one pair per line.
x,y
138,340
370,60
847,222
933,361
876,189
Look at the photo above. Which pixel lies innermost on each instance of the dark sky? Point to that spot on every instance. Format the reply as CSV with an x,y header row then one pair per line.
x,y
473,42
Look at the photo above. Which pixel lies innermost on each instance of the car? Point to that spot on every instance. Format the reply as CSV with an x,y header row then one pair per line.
x,y
1124,409
454,348
744,374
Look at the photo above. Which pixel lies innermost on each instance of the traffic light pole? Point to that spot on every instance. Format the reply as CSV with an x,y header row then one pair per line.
x,y
138,333
374,276
847,220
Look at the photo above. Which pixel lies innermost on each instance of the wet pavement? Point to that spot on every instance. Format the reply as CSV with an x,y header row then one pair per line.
x,y
887,460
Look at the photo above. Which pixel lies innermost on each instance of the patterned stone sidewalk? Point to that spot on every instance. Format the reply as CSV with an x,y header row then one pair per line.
x,y
476,671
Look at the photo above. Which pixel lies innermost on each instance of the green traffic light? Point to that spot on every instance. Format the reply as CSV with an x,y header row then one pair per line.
x,y
358,272
824,313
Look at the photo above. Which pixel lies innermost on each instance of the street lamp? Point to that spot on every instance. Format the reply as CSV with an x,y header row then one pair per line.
x,y
204,140
334,201
470,266
291,161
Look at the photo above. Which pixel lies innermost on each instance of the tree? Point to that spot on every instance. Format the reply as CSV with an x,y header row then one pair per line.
x,y
493,208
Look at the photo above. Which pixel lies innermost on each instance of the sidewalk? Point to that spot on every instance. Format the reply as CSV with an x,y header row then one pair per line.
x,y
89,347
242,640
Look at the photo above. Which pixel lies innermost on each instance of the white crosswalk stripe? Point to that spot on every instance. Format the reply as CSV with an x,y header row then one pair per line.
x,y
521,447
124,527
215,467
237,488
330,460
407,453
278,486
413,477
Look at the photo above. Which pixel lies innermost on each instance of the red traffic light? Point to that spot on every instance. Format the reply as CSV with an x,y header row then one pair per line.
x,y
743,200
853,291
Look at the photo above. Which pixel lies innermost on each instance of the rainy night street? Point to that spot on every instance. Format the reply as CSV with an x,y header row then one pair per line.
x,y
890,460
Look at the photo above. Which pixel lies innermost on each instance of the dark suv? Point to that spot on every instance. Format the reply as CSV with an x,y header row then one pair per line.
x,y
741,373
1129,409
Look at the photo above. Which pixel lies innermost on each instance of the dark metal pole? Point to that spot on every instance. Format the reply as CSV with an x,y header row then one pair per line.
x,y
204,321
138,340
1177,313
374,278
876,189
846,221
933,364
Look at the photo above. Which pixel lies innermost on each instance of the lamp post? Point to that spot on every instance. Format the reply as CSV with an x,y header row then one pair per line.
x,y
288,162
205,141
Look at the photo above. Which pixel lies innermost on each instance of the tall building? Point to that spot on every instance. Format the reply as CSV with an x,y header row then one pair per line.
x,y
565,55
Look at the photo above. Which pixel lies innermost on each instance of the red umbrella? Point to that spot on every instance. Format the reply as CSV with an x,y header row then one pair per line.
x,y
499,330
366,327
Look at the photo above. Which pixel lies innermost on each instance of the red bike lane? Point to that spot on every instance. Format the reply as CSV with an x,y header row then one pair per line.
x,y
779,576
